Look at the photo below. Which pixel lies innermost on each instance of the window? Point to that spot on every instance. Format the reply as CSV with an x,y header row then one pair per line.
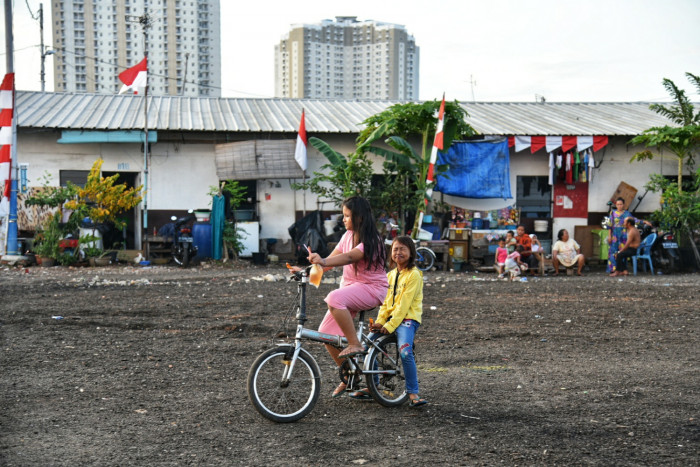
x,y
533,197
78,177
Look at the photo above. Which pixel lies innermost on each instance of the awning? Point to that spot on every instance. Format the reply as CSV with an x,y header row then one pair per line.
x,y
256,159
552,143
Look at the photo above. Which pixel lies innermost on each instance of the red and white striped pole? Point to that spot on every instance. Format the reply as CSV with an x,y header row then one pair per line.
x,y
430,177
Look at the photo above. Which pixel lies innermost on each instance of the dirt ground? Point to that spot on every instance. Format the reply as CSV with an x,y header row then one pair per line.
x,y
133,366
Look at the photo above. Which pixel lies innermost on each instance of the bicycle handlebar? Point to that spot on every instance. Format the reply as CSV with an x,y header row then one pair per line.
x,y
297,275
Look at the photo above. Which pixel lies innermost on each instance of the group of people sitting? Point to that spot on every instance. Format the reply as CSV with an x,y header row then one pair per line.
x,y
520,252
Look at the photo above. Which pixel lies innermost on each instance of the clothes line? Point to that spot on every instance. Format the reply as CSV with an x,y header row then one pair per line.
x,y
551,143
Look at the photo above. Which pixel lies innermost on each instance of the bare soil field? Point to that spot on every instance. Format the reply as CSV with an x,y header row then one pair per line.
x,y
134,366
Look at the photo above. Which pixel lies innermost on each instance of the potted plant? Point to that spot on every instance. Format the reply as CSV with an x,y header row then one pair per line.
x,y
46,246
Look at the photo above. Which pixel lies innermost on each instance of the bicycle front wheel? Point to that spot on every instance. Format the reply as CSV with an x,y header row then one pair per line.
x,y
388,386
276,396
425,258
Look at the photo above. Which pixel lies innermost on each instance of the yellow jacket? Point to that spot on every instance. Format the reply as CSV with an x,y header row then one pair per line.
x,y
404,298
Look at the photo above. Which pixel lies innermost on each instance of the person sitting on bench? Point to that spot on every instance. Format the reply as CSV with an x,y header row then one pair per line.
x,y
566,252
528,257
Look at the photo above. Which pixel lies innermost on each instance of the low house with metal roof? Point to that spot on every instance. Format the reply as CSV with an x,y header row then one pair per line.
x,y
61,134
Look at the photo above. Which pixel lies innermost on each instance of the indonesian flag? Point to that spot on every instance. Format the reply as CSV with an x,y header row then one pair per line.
x,y
135,78
7,89
438,144
300,152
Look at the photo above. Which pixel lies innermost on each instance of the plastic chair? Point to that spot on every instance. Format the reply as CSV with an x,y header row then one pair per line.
x,y
644,252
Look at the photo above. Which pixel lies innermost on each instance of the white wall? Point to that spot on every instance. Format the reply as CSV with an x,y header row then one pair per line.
x,y
181,175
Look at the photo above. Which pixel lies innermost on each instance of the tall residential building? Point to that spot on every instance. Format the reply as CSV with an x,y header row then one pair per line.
x,y
347,59
95,40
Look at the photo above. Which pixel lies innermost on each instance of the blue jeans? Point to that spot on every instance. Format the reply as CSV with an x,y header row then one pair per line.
x,y
404,336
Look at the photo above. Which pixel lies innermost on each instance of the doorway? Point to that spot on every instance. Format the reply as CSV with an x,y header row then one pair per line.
x,y
534,197
127,236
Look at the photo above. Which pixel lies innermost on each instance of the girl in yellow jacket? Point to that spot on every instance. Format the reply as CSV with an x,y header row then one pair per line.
x,y
401,312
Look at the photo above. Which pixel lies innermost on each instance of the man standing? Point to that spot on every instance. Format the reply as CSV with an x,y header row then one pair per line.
x,y
528,257
627,250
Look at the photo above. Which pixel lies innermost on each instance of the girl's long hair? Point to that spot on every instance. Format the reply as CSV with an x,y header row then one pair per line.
x,y
365,229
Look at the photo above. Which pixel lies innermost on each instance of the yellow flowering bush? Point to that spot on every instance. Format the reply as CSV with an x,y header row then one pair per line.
x,y
101,200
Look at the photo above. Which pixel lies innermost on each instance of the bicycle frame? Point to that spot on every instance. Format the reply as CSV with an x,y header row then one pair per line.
x,y
288,398
303,333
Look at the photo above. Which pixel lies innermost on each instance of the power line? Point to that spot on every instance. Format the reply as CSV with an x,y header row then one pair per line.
x,y
36,18
119,67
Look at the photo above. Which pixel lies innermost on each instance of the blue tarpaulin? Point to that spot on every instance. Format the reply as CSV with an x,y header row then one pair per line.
x,y
477,170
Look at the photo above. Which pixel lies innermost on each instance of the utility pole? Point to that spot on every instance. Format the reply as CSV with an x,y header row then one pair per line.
x,y
44,52
473,83
145,21
12,230
184,78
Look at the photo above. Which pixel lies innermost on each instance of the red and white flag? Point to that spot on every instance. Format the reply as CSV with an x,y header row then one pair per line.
x,y
135,78
300,152
7,100
438,144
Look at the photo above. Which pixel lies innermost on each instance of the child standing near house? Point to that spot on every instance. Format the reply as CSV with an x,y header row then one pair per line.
x,y
511,242
401,313
501,255
513,263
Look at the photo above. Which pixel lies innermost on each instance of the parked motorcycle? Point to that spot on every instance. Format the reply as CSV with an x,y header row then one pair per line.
x,y
180,229
664,252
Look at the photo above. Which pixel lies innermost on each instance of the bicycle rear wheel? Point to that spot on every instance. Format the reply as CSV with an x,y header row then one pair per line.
x,y
425,258
283,400
387,388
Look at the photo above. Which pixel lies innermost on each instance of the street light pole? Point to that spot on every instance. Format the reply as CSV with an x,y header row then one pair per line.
x,y
44,52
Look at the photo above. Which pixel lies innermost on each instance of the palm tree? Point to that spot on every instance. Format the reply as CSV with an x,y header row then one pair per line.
x,y
681,141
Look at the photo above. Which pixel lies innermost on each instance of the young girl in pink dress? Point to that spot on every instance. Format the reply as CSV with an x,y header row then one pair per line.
x,y
361,252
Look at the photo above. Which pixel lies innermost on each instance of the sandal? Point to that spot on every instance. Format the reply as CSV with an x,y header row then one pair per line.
x,y
342,387
351,352
361,395
417,402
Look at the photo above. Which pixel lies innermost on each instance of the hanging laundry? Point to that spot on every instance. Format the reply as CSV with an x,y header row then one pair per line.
x,y
591,165
577,164
559,161
551,168
569,168
584,168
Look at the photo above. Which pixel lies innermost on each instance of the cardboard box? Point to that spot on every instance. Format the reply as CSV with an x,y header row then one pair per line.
x,y
459,234
459,250
626,192
128,255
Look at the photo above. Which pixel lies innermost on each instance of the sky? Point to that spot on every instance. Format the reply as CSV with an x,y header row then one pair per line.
x,y
484,51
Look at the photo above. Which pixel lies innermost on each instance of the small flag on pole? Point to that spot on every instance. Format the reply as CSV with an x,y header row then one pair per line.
x,y
6,115
135,78
300,152
438,144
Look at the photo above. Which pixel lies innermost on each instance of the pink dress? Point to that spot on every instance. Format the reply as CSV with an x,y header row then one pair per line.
x,y
360,291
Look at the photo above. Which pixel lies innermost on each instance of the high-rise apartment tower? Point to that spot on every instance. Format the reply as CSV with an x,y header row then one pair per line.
x,y
95,40
347,59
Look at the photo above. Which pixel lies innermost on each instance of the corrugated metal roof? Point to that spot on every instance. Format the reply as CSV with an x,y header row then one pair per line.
x,y
80,111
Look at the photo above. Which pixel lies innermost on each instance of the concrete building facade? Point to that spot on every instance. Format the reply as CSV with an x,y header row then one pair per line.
x,y
62,134
94,41
347,59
